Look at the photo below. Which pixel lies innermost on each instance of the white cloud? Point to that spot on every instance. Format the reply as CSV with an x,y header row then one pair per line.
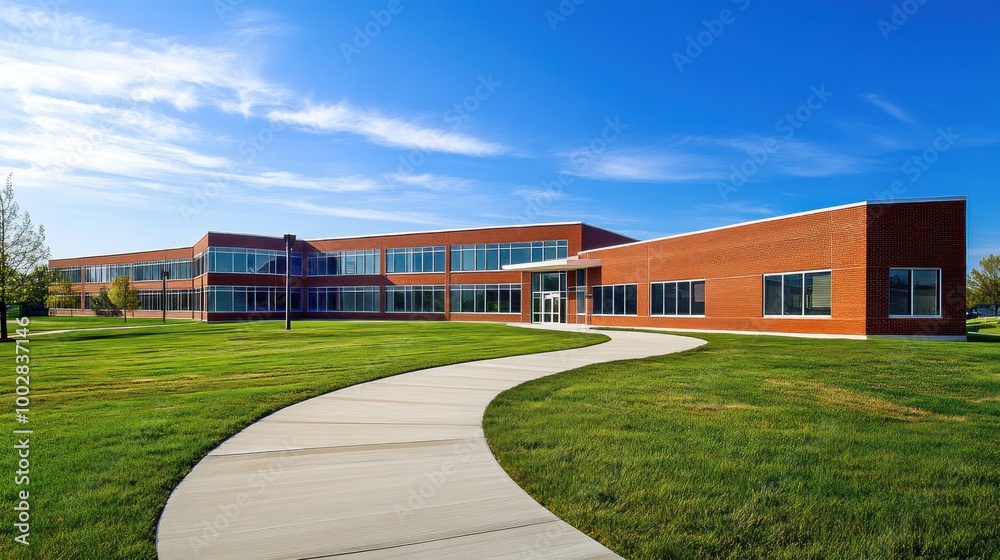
x,y
890,109
359,213
96,115
380,129
702,158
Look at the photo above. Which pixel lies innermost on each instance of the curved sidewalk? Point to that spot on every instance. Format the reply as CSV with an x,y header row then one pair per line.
x,y
393,468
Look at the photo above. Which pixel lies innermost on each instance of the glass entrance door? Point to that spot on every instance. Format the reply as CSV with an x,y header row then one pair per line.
x,y
548,297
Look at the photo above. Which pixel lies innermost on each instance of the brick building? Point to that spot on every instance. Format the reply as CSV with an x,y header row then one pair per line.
x,y
893,268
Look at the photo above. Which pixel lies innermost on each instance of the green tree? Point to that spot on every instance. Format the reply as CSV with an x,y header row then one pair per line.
x,y
984,282
101,303
22,250
33,287
62,296
123,296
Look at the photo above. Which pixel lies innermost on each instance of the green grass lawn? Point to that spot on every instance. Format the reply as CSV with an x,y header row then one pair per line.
x,y
120,416
46,324
768,447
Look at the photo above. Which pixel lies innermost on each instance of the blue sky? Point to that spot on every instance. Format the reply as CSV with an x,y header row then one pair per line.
x,y
139,125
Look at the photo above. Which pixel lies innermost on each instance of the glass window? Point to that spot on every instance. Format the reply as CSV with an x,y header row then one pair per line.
x,y
631,299
621,299
798,294
415,299
818,293
656,299
494,256
772,295
698,298
925,292
683,298
915,292
486,298
792,294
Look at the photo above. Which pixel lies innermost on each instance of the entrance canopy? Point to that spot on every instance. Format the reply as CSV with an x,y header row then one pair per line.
x,y
571,263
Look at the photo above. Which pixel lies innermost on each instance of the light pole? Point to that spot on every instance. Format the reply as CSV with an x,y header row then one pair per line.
x,y
289,241
164,274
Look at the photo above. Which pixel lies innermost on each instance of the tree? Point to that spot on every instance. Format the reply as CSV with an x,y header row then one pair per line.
x,y
984,282
62,296
33,287
22,250
101,303
123,296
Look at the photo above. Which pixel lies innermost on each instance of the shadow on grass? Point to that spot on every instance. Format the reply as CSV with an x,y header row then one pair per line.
x,y
980,337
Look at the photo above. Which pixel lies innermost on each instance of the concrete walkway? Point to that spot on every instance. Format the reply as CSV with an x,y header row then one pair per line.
x,y
394,468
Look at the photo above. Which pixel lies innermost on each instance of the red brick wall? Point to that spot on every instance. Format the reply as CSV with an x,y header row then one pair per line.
x,y
917,235
733,261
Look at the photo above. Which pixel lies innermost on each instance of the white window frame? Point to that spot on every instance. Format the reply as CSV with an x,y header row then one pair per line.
x,y
763,293
912,315
691,281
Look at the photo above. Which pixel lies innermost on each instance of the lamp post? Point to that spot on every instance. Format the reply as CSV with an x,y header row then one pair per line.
x,y
289,241
164,274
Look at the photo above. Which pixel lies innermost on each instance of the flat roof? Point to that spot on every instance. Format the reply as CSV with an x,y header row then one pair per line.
x,y
450,230
570,263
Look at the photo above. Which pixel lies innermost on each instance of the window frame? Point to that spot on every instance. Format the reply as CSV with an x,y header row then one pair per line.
x,y
803,308
911,314
612,290
428,254
676,298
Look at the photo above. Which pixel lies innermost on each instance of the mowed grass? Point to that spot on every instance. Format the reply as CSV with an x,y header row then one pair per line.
x,y
120,416
48,324
768,447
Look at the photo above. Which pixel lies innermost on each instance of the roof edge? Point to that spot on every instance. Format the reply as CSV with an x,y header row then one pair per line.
x,y
786,216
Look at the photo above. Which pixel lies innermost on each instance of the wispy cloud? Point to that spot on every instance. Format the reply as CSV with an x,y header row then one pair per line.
x,y
891,109
705,158
99,113
380,129
358,213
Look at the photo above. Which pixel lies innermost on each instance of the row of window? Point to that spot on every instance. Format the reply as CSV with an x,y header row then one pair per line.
x,y
912,292
177,300
343,298
245,261
493,256
72,273
257,299
343,263
620,299
800,293
178,269
405,260
414,299
486,298
152,300
414,259
678,298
